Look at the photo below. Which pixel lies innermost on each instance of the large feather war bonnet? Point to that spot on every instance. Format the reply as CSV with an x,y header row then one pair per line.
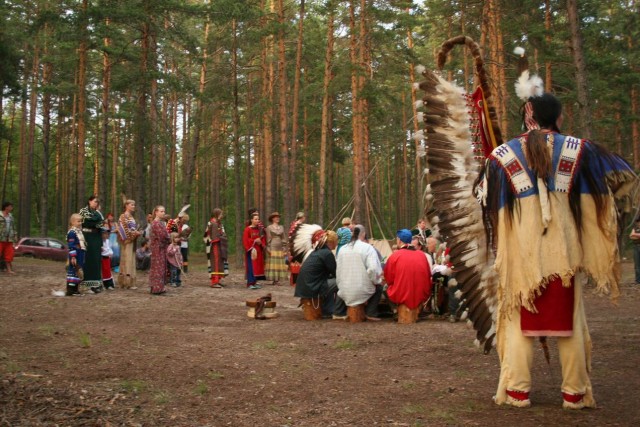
x,y
460,130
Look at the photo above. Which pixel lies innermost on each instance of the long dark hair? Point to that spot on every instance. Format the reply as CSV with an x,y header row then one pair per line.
x,y
547,109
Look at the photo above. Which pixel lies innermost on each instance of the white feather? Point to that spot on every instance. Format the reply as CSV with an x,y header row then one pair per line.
x,y
415,86
419,103
527,86
420,69
420,116
519,51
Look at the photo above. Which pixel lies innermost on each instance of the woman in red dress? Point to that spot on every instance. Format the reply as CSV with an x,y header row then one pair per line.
x,y
254,242
159,242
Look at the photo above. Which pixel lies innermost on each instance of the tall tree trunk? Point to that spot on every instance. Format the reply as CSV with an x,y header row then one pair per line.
x,y
81,196
290,195
306,184
104,134
406,202
326,124
26,172
364,59
548,85
7,160
356,120
267,124
141,143
635,131
47,70
237,160
158,168
190,161
282,107
584,108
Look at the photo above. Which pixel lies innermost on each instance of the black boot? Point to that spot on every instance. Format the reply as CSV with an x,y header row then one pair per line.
x,y
72,290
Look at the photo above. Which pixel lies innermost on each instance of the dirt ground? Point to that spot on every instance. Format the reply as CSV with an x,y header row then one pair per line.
x,y
194,358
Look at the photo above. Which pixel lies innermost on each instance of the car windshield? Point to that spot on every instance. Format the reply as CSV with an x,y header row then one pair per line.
x,y
55,244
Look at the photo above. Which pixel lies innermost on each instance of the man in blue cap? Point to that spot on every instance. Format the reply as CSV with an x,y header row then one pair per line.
x,y
407,273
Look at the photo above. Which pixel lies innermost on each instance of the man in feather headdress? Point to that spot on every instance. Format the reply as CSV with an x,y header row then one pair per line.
x,y
317,277
548,202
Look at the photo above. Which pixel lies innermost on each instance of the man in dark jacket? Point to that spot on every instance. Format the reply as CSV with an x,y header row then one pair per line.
x,y
317,277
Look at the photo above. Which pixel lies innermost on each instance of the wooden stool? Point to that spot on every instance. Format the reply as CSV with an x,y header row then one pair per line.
x,y
311,308
269,310
407,315
356,314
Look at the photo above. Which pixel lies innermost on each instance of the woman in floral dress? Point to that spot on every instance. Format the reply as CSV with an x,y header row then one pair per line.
x,y
159,242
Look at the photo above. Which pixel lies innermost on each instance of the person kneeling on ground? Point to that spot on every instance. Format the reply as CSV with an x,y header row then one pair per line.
x,y
358,276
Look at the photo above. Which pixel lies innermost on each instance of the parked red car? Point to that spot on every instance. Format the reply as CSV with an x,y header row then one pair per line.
x,y
42,247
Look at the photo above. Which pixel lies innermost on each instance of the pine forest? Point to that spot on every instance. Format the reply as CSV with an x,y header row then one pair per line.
x,y
304,105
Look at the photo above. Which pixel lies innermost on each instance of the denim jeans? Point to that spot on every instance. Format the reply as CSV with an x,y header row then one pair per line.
x,y
175,276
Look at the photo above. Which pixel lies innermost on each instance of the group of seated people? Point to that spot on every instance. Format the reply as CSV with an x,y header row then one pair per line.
x,y
143,256
415,275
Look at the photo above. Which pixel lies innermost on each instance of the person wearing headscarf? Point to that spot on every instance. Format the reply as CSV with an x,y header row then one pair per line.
x,y
359,274
548,201
344,233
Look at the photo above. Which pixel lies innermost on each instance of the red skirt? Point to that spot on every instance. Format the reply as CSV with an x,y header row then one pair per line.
x,y
106,268
555,312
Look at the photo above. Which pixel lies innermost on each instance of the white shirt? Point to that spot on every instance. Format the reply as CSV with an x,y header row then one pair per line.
x,y
358,271
106,248
184,243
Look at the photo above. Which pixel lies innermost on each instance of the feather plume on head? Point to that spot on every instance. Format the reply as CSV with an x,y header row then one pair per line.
x,y
301,241
527,87
183,210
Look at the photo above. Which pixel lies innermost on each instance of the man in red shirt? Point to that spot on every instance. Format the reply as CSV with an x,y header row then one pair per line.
x,y
407,273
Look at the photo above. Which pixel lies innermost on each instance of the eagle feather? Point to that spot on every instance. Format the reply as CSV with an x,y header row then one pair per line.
x,y
452,208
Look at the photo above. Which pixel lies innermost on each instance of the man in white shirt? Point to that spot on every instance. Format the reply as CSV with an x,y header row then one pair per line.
x,y
359,274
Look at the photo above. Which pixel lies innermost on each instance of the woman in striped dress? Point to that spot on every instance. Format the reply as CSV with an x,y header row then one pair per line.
x,y
276,244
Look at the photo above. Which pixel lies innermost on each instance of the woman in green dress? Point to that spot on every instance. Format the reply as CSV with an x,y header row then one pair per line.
x,y
92,222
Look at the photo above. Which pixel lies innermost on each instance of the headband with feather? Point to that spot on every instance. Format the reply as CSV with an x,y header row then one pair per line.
x,y
183,210
301,241
527,86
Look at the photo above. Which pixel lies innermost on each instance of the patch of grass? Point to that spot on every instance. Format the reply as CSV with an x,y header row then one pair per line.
x,y
413,408
408,385
443,415
215,375
105,340
201,388
133,386
270,345
85,339
345,344
47,330
12,367
161,397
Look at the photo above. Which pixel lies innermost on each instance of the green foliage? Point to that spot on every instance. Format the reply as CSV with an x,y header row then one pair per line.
x,y
133,386
171,67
